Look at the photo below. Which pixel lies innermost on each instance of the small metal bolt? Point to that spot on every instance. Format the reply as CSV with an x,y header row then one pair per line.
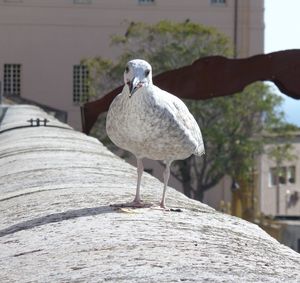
x,y
31,122
45,122
38,121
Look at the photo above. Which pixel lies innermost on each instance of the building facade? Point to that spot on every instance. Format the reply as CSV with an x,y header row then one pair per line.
x,y
275,190
280,196
43,41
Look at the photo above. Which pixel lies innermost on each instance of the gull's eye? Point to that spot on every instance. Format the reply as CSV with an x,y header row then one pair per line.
x,y
127,69
147,72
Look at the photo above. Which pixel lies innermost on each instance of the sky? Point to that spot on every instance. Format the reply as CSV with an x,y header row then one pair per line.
x,y
282,31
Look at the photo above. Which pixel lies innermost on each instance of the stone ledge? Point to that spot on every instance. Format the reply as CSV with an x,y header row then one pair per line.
x,y
57,225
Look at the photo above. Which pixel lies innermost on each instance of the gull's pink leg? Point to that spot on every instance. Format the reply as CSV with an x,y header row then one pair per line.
x,y
137,202
166,179
140,168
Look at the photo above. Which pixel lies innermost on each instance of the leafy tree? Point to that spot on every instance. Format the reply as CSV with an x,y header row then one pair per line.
x,y
231,126
166,45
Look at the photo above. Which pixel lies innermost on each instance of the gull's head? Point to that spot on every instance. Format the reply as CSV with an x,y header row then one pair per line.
x,y
138,74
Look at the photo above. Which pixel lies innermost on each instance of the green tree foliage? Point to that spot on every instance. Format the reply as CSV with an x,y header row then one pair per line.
x,y
232,129
166,45
231,126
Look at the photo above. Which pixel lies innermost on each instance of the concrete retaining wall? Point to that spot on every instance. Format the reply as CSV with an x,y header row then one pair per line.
x,y
57,225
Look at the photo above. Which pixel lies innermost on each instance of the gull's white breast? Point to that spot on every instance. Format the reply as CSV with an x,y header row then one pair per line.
x,y
154,124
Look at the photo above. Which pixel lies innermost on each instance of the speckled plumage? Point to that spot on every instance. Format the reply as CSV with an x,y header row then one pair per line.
x,y
150,122
153,124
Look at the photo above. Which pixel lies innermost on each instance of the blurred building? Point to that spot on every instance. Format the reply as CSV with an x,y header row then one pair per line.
x,y
287,200
275,190
272,198
43,41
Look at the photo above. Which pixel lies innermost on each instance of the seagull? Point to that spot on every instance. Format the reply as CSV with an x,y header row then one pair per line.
x,y
151,123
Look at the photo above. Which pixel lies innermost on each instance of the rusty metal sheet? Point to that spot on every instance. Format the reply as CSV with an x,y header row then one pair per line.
x,y
216,76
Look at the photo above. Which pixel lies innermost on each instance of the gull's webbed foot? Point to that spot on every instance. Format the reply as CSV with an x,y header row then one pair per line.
x,y
138,203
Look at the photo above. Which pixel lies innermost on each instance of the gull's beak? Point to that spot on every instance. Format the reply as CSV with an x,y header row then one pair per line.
x,y
134,85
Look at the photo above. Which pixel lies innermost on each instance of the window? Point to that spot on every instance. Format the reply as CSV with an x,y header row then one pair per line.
x,y
82,1
12,79
286,175
282,175
146,2
12,1
218,2
80,83
272,177
291,174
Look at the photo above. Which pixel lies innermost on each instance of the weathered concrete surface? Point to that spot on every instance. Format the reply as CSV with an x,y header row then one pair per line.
x,y
56,224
